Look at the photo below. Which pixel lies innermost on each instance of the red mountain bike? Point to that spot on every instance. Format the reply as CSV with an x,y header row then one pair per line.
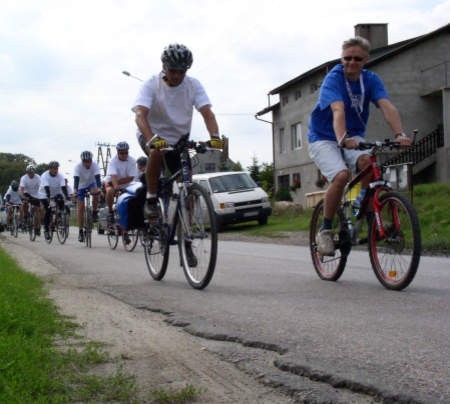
x,y
393,232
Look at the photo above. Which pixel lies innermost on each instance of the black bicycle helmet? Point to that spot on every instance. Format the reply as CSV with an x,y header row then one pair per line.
x,y
142,161
14,185
177,57
122,146
53,164
86,156
30,168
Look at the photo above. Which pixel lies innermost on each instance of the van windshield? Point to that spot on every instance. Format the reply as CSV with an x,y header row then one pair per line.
x,y
232,182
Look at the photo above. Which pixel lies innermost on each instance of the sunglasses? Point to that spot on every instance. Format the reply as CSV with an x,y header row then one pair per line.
x,y
355,58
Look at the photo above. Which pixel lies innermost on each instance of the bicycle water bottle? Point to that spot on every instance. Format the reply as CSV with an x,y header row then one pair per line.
x,y
357,202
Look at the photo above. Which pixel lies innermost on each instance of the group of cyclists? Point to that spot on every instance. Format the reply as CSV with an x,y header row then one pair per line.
x,y
35,191
163,112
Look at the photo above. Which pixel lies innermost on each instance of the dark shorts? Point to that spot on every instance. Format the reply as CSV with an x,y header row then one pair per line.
x,y
172,158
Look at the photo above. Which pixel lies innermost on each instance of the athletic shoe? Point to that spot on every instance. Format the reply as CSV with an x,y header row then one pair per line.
x,y
325,243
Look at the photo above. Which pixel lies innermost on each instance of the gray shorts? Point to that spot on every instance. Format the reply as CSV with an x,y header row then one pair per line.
x,y
331,160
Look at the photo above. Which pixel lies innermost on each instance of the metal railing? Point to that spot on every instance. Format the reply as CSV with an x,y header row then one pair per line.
x,y
421,150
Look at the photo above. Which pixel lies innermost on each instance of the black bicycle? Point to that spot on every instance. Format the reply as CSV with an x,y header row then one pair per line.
x,y
13,223
59,221
88,222
32,213
185,210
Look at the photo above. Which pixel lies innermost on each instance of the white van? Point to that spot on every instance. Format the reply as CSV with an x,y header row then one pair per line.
x,y
235,196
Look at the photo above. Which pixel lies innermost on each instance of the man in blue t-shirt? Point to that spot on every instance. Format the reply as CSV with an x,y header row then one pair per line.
x,y
339,119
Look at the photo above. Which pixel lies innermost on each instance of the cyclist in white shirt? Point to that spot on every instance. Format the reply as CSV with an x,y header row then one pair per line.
x,y
53,186
121,172
29,187
164,110
86,176
12,197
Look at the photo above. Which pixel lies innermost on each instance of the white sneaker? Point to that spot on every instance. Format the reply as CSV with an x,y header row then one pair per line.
x,y
325,243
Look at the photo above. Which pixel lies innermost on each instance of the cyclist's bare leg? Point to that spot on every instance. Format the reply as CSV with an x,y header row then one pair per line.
x,y
109,198
95,199
80,213
334,193
153,171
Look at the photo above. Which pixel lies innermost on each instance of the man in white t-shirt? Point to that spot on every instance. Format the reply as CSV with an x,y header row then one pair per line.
x,y
29,186
121,172
86,177
12,197
163,114
53,186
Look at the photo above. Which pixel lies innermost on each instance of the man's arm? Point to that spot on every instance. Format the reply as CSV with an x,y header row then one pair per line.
x,y
340,126
210,120
392,117
142,123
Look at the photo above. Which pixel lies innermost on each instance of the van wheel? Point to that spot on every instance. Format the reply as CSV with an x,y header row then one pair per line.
x,y
263,220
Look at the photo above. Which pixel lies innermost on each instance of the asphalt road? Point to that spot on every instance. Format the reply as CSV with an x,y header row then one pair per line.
x,y
268,312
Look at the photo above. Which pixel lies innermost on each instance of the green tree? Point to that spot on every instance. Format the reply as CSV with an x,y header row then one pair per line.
x,y
237,167
254,169
266,177
12,167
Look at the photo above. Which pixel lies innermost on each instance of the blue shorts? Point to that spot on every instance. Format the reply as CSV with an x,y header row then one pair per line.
x,y
81,191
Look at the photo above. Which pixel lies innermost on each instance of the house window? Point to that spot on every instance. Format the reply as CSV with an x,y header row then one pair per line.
x,y
210,167
296,136
298,94
284,99
282,141
296,181
283,182
314,87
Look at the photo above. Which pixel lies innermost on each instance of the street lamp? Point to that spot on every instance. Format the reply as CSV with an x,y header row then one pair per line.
x,y
130,75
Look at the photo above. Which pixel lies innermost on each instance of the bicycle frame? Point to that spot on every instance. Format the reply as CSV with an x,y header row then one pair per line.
x,y
377,184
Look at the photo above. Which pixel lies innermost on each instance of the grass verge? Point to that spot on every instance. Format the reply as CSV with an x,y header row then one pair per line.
x,y
430,201
41,357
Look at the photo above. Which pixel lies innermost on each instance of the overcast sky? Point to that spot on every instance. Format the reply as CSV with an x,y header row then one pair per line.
x,y
62,89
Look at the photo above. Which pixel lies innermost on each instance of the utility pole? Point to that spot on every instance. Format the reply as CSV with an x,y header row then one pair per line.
x,y
103,158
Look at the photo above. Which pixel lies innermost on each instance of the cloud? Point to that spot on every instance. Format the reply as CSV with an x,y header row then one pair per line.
x,y
61,62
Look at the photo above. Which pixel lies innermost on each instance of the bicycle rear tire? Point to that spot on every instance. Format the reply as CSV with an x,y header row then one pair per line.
x,y
197,237
113,235
329,268
131,243
395,257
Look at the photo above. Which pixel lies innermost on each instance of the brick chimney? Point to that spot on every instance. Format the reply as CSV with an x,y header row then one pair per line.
x,y
376,34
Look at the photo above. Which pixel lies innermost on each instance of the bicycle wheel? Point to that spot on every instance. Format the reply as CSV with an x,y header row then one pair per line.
x,y
130,239
395,257
329,268
155,240
88,224
197,237
61,229
112,233
32,226
15,224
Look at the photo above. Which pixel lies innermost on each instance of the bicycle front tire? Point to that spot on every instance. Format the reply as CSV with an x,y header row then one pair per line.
x,y
61,227
88,225
329,268
156,243
395,257
197,237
